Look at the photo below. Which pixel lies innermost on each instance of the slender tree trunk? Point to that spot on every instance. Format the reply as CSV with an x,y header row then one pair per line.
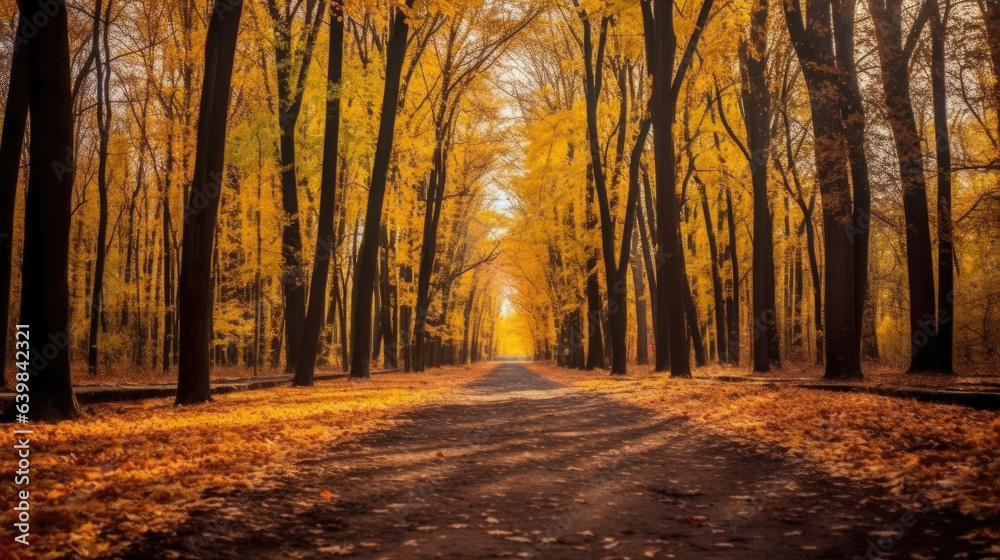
x,y
757,116
887,16
713,250
11,144
168,276
815,48
661,46
306,364
946,247
102,77
641,322
291,88
364,282
44,269
194,301
733,294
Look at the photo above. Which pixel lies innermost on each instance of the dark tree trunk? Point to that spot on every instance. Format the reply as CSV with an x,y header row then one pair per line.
x,y
757,117
733,293
11,144
946,248
364,282
306,364
290,92
814,46
194,298
51,170
641,322
691,314
713,249
103,77
895,57
617,314
168,276
595,338
388,299
854,127
661,46
467,315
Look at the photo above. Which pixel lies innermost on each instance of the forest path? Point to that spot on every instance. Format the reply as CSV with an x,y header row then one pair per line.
x,y
517,465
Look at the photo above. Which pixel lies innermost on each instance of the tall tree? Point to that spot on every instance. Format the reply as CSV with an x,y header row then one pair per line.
x,y
946,244
292,58
194,298
816,49
661,47
364,282
895,52
327,200
757,116
15,120
51,171
100,46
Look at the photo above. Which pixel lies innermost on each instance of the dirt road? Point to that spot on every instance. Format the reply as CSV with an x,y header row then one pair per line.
x,y
519,466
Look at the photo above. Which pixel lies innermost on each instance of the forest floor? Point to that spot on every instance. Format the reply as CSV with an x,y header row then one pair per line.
x,y
545,463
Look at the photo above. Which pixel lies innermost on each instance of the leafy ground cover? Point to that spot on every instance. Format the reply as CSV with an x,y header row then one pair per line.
x,y
142,466
921,453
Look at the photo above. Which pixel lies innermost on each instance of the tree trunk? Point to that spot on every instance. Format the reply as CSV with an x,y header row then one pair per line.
x,y
713,250
364,282
290,92
946,250
733,293
894,57
11,144
815,49
44,269
641,321
194,301
661,44
102,76
757,116
306,364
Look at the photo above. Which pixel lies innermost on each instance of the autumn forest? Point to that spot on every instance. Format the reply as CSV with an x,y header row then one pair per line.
x,y
201,195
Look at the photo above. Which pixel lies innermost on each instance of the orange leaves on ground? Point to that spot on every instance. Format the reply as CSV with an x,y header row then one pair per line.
x,y
138,467
946,455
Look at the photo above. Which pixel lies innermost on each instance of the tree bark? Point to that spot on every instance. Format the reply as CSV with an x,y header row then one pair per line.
x,y
713,250
306,364
814,47
757,116
946,247
661,46
11,144
894,57
364,282
102,77
291,88
51,170
194,301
